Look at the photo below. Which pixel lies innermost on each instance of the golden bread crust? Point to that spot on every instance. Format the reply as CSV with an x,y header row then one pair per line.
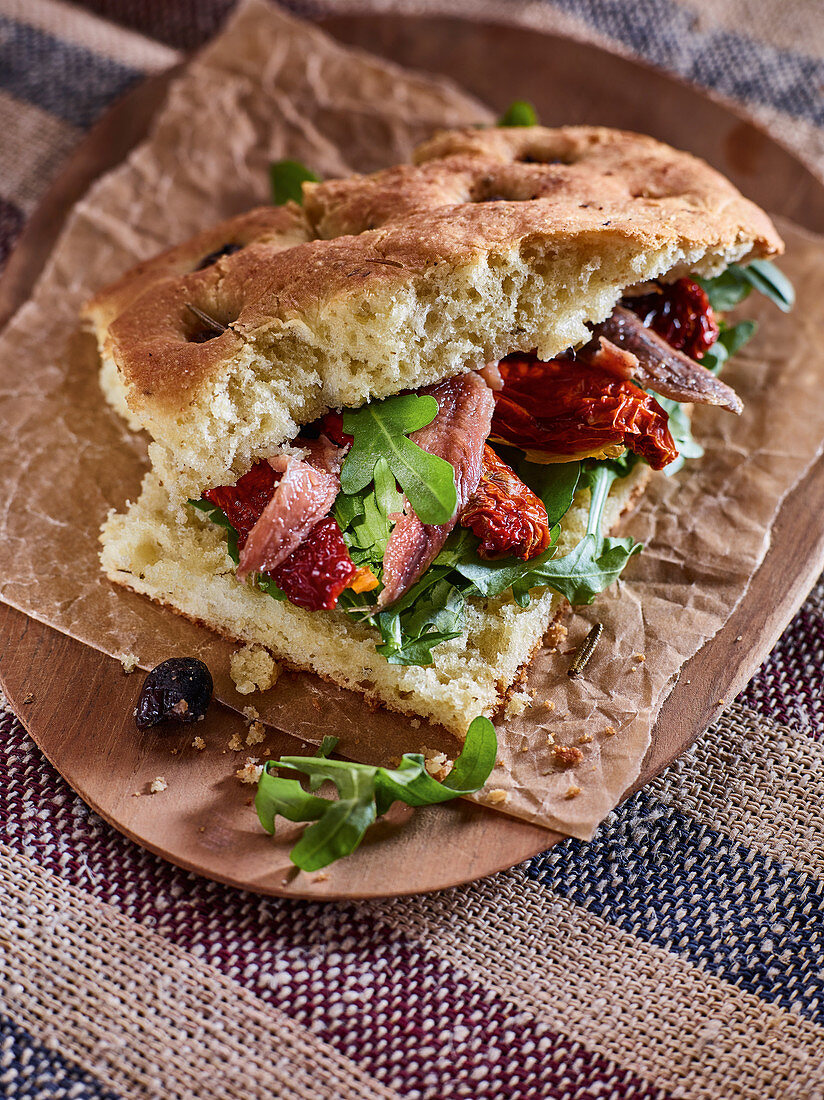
x,y
495,240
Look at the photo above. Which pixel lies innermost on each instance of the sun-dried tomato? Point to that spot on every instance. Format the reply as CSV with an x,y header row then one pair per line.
x,y
314,575
332,426
681,313
565,407
243,503
508,518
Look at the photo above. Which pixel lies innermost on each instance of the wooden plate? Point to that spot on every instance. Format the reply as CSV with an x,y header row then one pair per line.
x,y
77,703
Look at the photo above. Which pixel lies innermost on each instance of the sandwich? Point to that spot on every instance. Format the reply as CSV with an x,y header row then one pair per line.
x,y
394,424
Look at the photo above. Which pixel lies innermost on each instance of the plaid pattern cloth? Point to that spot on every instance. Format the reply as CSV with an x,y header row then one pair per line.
x,y
680,954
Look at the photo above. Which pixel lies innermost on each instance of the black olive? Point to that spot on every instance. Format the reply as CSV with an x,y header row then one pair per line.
x,y
177,690
213,257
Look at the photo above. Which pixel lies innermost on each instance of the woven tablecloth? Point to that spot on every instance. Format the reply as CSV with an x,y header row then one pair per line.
x,y
681,953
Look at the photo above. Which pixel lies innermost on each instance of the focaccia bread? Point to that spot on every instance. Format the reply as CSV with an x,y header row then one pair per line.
x,y
508,281
495,241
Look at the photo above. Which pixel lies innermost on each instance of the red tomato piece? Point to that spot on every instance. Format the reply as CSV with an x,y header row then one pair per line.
x,y
681,313
314,575
243,503
505,514
332,426
565,407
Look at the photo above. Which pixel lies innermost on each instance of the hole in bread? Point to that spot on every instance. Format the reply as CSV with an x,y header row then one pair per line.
x,y
536,158
218,254
202,335
200,325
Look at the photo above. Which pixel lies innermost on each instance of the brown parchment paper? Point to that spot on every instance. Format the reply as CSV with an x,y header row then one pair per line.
x,y
268,87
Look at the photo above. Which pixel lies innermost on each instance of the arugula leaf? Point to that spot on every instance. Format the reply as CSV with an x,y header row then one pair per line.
x,y
327,745
680,428
381,429
340,829
555,483
592,566
596,561
732,286
772,283
285,179
363,517
726,290
218,516
364,793
431,612
519,113
412,784
267,584
276,795
731,339
492,578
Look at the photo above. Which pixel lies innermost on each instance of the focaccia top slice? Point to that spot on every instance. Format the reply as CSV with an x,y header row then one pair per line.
x,y
494,241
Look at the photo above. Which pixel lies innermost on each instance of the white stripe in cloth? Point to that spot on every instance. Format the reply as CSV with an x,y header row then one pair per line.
x,y
759,782
35,143
143,1016
70,23
650,1011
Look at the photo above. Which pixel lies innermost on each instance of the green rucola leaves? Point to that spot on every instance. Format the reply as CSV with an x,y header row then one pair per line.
x,y
380,429
519,113
286,178
218,516
732,286
364,793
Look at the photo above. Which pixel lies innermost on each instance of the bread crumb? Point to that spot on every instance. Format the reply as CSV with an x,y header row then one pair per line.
x,y
517,703
235,743
415,723
548,703
253,669
29,698
721,703
585,739
158,784
198,743
128,661
550,737
566,755
250,714
740,638
437,764
573,792
256,734
251,771
322,877
640,657
610,731
497,796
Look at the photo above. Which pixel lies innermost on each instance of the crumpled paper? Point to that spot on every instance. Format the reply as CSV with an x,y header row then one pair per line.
x,y
269,87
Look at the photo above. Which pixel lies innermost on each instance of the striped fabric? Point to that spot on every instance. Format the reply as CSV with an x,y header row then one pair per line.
x,y
680,954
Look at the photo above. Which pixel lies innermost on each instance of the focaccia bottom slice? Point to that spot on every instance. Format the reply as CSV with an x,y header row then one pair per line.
x,y
181,561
